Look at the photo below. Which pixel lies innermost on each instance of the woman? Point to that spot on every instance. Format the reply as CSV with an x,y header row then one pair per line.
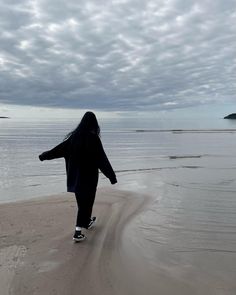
x,y
84,155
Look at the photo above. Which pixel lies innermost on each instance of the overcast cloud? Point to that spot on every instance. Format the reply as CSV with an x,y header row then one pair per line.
x,y
117,55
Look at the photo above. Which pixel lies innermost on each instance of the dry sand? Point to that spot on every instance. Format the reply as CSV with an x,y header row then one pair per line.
x,y
38,256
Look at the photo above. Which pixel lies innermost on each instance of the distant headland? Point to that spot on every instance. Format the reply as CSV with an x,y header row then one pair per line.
x,y
4,117
231,116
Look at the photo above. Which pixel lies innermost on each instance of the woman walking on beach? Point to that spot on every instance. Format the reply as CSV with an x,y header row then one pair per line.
x,y
84,155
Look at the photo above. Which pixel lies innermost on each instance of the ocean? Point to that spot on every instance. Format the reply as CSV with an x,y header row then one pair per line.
x,y
135,147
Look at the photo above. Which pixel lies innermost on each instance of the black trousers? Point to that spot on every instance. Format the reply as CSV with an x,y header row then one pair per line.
x,y
85,201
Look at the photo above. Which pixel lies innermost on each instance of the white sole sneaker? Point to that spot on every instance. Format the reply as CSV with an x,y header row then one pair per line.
x,y
92,222
79,239
78,236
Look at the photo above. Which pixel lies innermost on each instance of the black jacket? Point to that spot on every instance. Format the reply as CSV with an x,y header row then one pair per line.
x,y
84,155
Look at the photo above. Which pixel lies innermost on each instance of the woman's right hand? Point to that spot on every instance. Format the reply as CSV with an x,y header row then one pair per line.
x,y
113,180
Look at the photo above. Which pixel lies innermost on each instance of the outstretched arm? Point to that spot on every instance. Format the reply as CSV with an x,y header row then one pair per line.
x,y
58,151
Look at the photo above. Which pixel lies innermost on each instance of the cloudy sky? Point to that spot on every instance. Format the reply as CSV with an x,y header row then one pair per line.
x,y
118,55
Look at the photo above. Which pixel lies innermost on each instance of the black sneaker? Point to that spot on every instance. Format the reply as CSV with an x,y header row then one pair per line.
x,y
92,222
78,236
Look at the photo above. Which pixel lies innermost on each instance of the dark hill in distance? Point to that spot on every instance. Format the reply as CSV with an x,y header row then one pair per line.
x,y
3,117
231,116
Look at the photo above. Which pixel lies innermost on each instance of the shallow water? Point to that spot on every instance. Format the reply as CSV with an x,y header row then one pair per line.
x,y
158,148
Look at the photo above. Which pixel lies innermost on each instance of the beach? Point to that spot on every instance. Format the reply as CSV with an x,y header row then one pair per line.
x,y
38,256
167,227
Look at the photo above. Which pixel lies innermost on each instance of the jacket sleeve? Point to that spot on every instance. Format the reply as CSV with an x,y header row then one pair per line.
x,y
103,162
58,151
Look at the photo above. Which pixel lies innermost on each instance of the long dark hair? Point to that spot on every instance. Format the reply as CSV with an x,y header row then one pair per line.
x,y
87,124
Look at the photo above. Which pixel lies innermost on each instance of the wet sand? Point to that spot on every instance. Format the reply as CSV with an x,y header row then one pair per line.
x,y
38,256
140,245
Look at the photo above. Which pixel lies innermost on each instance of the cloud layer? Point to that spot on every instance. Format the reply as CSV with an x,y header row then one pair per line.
x,y
117,55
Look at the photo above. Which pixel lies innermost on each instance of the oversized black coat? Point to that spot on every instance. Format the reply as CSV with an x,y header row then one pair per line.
x,y
84,156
